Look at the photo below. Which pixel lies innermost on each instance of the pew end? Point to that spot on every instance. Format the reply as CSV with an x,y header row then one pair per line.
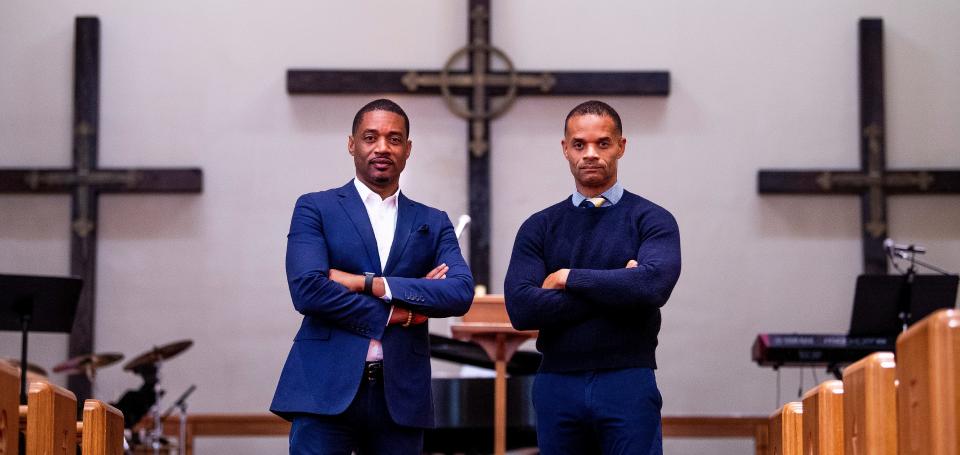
x,y
786,430
51,419
928,402
102,429
823,419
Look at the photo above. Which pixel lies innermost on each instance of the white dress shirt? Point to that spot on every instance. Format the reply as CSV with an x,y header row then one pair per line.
x,y
383,218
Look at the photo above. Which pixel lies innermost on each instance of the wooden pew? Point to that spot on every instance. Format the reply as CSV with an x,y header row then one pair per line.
x,y
52,428
870,405
102,429
9,408
823,419
928,371
786,430
51,420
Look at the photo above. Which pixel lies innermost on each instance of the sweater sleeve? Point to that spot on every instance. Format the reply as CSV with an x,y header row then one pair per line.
x,y
650,284
529,306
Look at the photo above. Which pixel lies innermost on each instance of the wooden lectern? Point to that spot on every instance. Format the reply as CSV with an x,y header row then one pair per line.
x,y
488,325
928,370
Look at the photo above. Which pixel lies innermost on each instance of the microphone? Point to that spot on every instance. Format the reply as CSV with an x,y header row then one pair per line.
x,y
893,248
461,224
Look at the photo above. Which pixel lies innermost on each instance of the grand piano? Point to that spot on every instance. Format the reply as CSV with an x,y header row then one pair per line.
x,y
464,406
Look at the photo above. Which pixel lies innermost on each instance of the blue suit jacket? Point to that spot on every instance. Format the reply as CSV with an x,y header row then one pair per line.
x,y
331,229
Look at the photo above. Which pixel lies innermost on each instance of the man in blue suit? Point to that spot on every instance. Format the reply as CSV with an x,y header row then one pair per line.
x,y
366,267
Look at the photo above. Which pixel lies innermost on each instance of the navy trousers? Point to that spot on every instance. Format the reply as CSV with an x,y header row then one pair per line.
x,y
598,412
365,428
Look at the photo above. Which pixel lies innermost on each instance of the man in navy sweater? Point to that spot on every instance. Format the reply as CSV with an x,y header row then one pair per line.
x,y
591,273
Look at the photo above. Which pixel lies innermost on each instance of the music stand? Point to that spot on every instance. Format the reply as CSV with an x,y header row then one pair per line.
x,y
39,304
930,293
883,304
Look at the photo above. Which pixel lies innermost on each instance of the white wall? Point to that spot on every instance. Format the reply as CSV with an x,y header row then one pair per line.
x,y
755,85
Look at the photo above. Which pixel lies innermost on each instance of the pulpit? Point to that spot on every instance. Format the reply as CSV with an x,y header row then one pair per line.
x,y
488,325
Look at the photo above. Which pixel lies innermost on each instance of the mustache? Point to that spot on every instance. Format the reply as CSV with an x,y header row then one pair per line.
x,y
380,160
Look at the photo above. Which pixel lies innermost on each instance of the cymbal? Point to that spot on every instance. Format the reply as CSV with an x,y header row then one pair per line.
x,y
86,363
31,367
158,354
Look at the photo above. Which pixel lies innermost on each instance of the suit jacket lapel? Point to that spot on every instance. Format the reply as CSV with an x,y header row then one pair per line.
x,y
351,203
407,215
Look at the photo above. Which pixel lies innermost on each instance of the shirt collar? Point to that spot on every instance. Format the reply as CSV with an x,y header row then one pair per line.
x,y
612,195
367,195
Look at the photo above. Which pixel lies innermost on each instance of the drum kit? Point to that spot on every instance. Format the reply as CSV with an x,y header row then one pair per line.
x,y
141,407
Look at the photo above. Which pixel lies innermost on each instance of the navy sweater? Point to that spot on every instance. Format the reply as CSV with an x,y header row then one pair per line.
x,y
608,316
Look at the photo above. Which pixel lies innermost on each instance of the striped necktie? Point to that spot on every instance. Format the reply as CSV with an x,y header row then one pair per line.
x,y
593,202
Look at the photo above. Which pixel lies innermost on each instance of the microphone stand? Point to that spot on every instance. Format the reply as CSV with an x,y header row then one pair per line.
x,y
908,253
906,291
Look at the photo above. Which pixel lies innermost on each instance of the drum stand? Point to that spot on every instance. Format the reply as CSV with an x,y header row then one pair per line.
x,y
181,407
154,438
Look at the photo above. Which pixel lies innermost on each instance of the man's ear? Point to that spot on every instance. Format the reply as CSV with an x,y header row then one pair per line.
x,y
623,147
350,145
563,147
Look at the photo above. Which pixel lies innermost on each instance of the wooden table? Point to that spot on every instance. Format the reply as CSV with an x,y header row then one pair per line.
x,y
500,341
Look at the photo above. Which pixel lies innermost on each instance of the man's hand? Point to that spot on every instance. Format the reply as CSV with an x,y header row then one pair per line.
x,y
353,283
556,280
400,315
438,273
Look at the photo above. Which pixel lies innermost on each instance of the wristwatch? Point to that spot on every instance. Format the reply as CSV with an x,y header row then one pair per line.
x,y
368,283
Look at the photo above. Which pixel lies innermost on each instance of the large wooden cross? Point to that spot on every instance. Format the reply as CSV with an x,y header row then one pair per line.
x,y
479,85
873,182
85,181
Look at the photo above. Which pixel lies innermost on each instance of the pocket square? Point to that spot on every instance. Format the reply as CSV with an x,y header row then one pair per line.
x,y
424,228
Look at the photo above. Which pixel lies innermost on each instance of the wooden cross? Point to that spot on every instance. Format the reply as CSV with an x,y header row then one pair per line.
x,y
479,85
85,181
873,182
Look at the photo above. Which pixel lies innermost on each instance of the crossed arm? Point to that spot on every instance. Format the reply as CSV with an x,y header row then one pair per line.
x,y
399,315
319,290
539,298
